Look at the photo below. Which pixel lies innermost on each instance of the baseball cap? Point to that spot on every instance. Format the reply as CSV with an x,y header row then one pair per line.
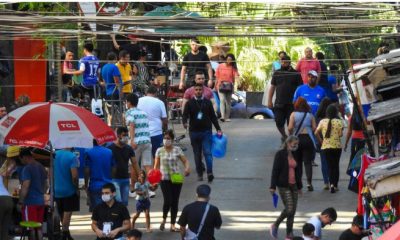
x,y
13,151
313,73
203,190
358,221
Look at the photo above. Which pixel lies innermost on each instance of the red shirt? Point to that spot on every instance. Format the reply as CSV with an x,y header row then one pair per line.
x,y
207,93
292,166
225,73
306,65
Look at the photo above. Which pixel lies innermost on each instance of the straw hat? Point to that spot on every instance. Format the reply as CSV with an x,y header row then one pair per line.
x,y
13,151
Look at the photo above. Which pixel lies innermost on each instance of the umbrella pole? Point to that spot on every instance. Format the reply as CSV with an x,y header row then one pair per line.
x,y
51,230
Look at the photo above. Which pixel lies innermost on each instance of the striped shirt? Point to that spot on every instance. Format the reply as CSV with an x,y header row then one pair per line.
x,y
142,130
169,161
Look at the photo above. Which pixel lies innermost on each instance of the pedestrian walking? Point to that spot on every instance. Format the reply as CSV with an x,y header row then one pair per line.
x,y
311,92
201,116
286,175
226,73
66,188
327,217
167,160
321,114
139,132
276,65
193,62
125,159
157,115
143,204
331,129
200,217
110,219
307,64
99,163
33,187
284,83
302,124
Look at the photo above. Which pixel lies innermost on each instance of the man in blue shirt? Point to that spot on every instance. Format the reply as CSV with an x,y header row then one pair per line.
x,y
66,181
112,77
33,187
88,66
99,163
311,92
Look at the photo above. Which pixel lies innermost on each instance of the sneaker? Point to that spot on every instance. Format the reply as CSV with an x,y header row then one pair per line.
x,y
273,231
210,177
332,189
310,188
326,186
222,120
152,194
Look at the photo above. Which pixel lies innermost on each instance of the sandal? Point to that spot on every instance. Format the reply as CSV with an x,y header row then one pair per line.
x,y
162,226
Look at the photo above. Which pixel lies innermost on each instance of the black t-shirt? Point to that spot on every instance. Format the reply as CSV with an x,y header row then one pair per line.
x,y
122,157
116,214
323,80
192,215
349,235
196,63
286,83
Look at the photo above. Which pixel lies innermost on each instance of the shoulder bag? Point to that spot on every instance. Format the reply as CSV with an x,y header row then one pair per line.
x,y
195,236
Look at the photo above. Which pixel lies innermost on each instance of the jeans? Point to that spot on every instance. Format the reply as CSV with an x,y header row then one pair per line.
x,y
289,198
95,199
171,193
201,142
156,142
122,190
324,168
225,104
333,158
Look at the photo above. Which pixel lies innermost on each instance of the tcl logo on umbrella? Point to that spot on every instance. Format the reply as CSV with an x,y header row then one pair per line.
x,y
8,122
68,125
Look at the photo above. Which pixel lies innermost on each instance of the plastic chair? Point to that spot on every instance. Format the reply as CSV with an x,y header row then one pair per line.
x,y
26,225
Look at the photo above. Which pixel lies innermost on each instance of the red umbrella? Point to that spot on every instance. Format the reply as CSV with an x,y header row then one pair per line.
x,y
64,125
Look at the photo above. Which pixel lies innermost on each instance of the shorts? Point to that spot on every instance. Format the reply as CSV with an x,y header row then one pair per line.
x,y
143,155
142,205
68,204
156,142
282,114
33,213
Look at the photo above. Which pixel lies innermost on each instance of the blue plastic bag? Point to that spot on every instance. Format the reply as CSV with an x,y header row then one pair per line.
x,y
219,145
275,199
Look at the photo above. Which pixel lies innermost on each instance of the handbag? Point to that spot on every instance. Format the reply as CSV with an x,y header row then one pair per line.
x,y
226,87
195,236
177,178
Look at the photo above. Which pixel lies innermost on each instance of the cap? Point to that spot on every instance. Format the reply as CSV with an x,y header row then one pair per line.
x,y
203,190
25,152
313,73
358,221
13,151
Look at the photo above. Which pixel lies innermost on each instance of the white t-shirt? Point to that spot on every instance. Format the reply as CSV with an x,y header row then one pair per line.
x,y
318,226
155,110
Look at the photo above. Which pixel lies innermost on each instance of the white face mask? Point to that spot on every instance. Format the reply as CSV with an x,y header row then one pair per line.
x,y
124,139
106,197
293,148
167,142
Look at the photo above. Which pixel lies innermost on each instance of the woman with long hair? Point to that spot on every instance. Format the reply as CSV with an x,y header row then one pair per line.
x,y
225,74
167,160
331,129
302,124
286,175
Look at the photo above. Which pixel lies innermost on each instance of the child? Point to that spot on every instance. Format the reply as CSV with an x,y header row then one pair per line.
x,y
308,231
143,202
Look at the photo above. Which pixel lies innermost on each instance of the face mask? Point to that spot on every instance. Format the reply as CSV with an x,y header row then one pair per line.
x,y
294,148
167,142
124,139
106,197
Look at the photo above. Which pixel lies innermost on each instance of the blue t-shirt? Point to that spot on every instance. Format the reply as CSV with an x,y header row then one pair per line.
x,y
37,175
329,93
108,72
100,160
80,154
63,162
90,74
313,96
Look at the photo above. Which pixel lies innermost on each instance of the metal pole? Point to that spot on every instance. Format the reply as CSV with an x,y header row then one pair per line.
x,y
57,70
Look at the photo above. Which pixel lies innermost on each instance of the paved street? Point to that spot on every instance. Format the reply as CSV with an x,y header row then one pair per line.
x,y
240,190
